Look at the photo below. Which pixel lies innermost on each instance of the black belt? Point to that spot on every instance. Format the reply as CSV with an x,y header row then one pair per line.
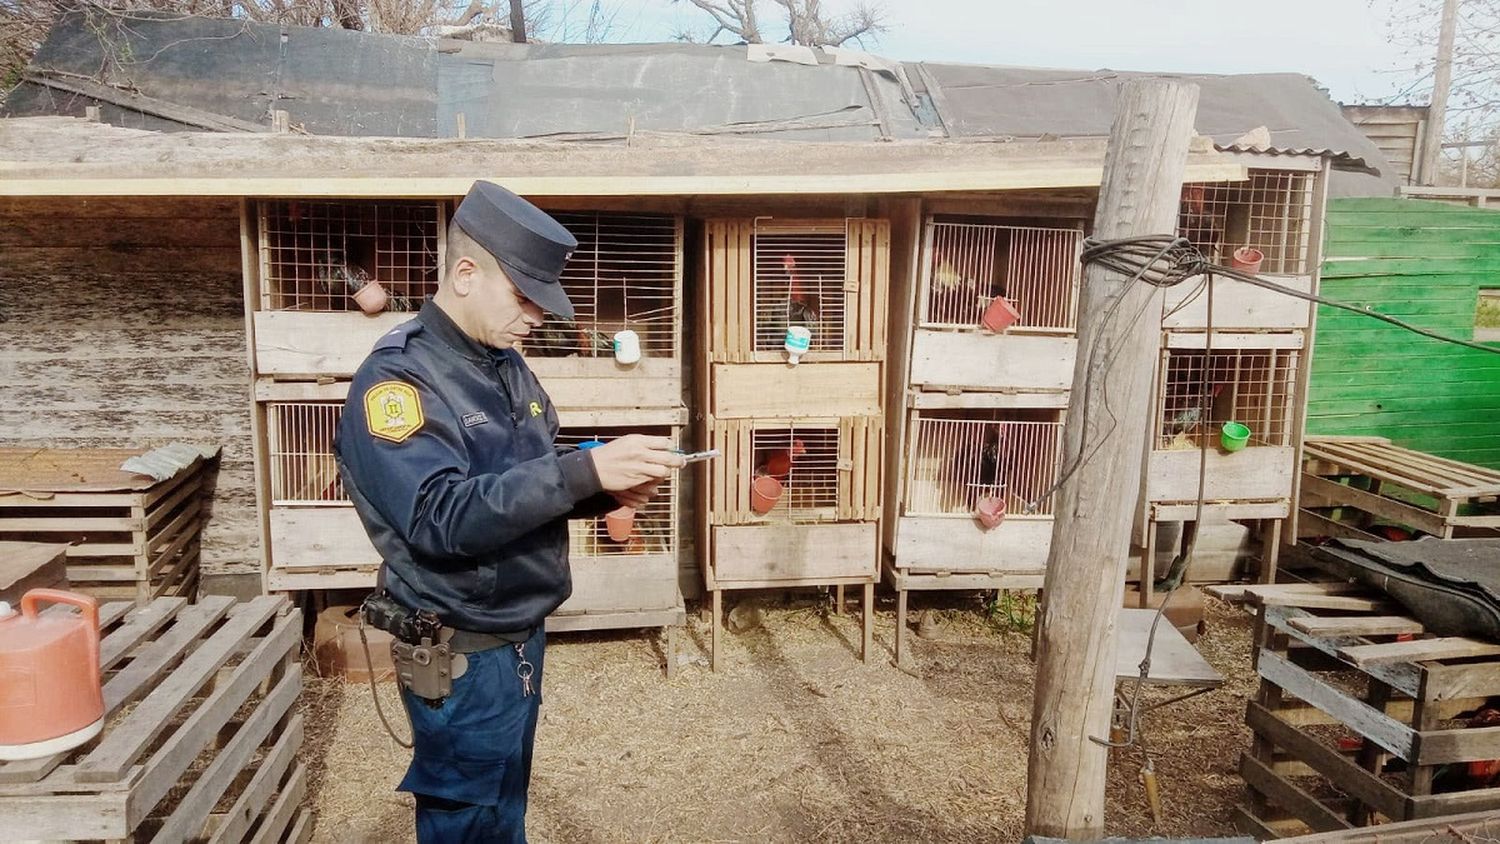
x,y
468,641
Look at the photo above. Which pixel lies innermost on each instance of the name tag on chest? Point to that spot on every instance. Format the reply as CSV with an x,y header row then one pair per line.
x,y
478,417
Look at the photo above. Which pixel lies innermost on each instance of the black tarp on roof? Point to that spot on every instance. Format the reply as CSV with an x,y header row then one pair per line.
x,y
341,82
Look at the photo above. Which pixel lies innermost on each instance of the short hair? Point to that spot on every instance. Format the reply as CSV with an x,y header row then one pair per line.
x,y
462,245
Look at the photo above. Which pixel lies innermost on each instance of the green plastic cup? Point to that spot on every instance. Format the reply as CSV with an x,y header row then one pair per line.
x,y
1234,436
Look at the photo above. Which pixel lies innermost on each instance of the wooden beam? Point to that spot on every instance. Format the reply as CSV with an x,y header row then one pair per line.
x,y
1075,683
186,115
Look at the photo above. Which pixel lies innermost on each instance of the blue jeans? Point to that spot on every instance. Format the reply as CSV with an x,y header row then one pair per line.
x,y
471,757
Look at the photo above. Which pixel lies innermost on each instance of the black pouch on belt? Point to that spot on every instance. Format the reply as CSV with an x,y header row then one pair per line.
x,y
425,664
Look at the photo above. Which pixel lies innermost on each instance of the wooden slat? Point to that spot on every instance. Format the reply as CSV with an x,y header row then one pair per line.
x,y
1289,796
1417,650
284,810
262,786
170,761
1357,625
1403,677
1326,602
1321,492
117,751
1249,824
1337,768
209,785
151,618
1369,722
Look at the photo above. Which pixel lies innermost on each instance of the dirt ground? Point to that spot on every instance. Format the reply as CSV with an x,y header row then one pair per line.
x,y
794,739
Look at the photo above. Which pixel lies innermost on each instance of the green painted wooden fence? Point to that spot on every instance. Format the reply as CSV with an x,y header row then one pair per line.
x,y
1425,262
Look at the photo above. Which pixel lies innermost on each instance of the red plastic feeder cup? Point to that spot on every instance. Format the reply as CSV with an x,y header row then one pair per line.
x,y
999,315
990,512
765,491
1247,259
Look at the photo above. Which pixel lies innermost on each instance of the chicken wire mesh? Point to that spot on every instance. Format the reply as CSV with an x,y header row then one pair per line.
x,y
1251,386
622,276
316,254
804,462
969,264
798,279
299,436
653,529
1270,212
960,457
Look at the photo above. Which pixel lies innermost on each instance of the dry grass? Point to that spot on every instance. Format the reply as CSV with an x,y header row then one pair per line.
x,y
794,739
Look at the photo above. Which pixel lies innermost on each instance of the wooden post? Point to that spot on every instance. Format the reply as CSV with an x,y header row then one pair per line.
x,y
1085,580
1442,79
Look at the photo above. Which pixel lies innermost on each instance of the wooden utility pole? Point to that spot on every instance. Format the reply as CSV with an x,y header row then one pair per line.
x,y
1085,582
1442,80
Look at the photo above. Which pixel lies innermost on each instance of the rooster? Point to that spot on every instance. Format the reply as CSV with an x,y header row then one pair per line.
x,y
801,302
778,462
1187,422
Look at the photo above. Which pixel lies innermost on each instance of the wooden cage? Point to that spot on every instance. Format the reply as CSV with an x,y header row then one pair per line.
x,y
624,577
316,538
1273,213
627,274
766,274
955,460
310,256
1197,391
969,262
318,542
825,470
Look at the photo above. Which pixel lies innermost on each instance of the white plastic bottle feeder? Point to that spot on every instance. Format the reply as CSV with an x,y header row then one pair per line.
x,y
627,347
798,341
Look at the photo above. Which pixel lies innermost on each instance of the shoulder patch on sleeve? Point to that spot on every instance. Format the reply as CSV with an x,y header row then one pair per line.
x,y
393,411
396,338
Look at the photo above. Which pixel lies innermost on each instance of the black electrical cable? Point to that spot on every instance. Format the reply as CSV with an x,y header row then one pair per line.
x,y
1166,261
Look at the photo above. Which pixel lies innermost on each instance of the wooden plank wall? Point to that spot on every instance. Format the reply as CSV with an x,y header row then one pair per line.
x,y
124,326
1397,130
1426,263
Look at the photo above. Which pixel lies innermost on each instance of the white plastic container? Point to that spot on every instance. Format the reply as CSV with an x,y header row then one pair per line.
x,y
798,341
627,347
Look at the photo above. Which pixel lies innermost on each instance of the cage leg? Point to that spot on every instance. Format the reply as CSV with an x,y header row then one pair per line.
x,y
714,624
838,599
669,648
1270,551
1148,565
901,630
869,639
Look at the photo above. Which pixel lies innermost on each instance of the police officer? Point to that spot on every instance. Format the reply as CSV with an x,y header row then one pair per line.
x,y
447,448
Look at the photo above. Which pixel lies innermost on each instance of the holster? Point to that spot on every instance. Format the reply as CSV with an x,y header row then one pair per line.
x,y
425,663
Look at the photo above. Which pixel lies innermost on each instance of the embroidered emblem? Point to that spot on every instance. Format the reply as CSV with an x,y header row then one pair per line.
x,y
393,411
536,408
478,417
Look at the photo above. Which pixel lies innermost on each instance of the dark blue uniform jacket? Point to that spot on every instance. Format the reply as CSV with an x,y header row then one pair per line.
x,y
447,451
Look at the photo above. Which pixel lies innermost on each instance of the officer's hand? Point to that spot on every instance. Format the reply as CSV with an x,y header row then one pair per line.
x,y
637,496
633,460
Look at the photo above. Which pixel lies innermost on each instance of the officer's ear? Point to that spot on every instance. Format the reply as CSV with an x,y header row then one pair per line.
x,y
464,276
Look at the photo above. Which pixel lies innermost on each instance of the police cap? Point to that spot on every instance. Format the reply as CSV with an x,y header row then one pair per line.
x,y
529,244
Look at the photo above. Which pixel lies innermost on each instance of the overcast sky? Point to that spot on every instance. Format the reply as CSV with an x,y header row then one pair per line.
x,y
1340,43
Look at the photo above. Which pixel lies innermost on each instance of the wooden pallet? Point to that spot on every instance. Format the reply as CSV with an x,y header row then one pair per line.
x,y
201,737
133,538
1337,664
1349,482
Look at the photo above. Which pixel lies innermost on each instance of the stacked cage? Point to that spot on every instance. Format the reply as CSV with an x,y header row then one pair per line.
x,y
616,369
312,327
791,386
324,279
1229,384
993,317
